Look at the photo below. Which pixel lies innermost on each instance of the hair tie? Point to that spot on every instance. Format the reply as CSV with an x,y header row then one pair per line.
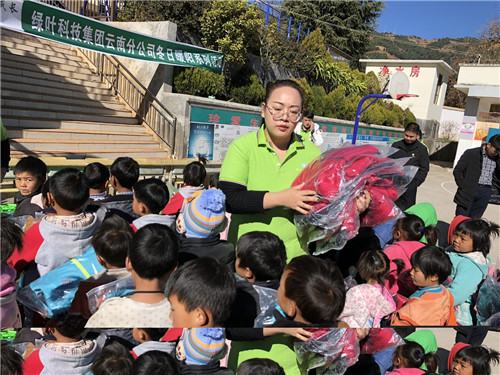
x,y
420,229
421,356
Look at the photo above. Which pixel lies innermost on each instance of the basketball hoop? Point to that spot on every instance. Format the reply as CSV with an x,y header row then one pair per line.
x,y
399,84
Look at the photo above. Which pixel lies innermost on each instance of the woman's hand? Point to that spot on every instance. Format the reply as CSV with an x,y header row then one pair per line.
x,y
293,198
363,201
299,333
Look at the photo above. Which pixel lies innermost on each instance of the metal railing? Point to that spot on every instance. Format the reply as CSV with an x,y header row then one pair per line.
x,y
144,103
103,10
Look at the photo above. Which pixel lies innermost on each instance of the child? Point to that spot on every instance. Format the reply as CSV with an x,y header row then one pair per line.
x,y
262,366
261,260
97,179
194,175
474,360
155,362
58,238
30,174
201,293
469,251
149,339
407,231
199,225
12,237
11,362
367,304
432,304
410,356
311,292
113,359
111,242
124,174
150,196
200,350
68,352
151,259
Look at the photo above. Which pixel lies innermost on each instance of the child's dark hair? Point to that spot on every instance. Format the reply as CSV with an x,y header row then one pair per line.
x,y
261,366
214,287
155,362
432,261
317,287
68,325
194,173
414,356
480,231
96,175
374,265
154,251
45,189
153,193
31,165
68,188
112,240
12,362
126,171
114,359
479,357
214,181
415,229
264,253
12,237
155,334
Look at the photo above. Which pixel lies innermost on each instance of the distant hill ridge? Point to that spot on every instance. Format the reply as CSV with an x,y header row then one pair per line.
x,y
392,46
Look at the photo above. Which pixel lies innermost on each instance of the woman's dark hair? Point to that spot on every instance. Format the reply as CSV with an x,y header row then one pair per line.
x,y
260,366
415,229
271,86
317,287
375,265
194,173
480,231
68,188
432,261
12,237
155,362
114,359
11,361
479,357
264,253
414,356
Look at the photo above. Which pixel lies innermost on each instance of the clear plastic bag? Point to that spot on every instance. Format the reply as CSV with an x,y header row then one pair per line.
x,y
330,350
338,176
488,301
380,339
118,288
267,303
53,293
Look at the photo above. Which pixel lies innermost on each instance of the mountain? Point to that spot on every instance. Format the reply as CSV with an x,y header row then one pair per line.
x,y
391,46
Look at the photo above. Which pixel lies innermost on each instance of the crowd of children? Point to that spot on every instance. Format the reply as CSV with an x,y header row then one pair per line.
x,y
159,262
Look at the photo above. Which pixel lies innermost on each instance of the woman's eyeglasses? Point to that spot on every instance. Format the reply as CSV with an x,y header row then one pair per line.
x,y
278,114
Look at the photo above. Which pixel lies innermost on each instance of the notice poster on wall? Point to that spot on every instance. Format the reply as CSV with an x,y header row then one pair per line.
x,y
224,135
485,122
201,140
332,140
467,128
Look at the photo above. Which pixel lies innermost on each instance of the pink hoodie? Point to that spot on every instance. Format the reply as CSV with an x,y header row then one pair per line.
x,y
401,250
407,371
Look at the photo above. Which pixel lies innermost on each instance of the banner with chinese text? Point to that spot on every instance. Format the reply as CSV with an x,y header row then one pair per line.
x,y
58,25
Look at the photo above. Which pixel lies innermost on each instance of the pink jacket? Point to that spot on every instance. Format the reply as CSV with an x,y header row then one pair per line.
x,y
401,250
407,371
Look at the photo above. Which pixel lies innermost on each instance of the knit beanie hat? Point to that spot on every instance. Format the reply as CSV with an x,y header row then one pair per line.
x,y
204,215
204,346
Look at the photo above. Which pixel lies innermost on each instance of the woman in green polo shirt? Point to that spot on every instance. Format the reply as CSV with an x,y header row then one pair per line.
x,y
259,169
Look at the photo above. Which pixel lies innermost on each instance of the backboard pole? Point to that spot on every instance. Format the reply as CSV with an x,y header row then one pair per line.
x,y
360,111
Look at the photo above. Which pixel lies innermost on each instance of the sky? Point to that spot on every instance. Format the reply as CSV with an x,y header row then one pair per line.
x,y
437,19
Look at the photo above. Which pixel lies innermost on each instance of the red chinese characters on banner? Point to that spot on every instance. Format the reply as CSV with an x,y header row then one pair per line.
x,y
415,71
323,128
213,118
371,132
383,71
400,69
254,122
334,129
235,120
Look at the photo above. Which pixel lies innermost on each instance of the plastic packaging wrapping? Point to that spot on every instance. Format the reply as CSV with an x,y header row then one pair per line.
x,y
118,288
267,303
488,302
380,339
53,293
330,350
338,176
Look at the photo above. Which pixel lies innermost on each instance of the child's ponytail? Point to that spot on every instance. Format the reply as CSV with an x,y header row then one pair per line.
x,y
400,264
431,361
413,355
414,229
431,234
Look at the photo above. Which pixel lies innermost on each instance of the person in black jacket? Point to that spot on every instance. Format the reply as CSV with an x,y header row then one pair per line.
x,y
474,174
419,157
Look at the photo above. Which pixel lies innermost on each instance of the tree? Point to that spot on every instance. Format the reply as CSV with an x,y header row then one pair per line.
x,y
233,28
346,24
